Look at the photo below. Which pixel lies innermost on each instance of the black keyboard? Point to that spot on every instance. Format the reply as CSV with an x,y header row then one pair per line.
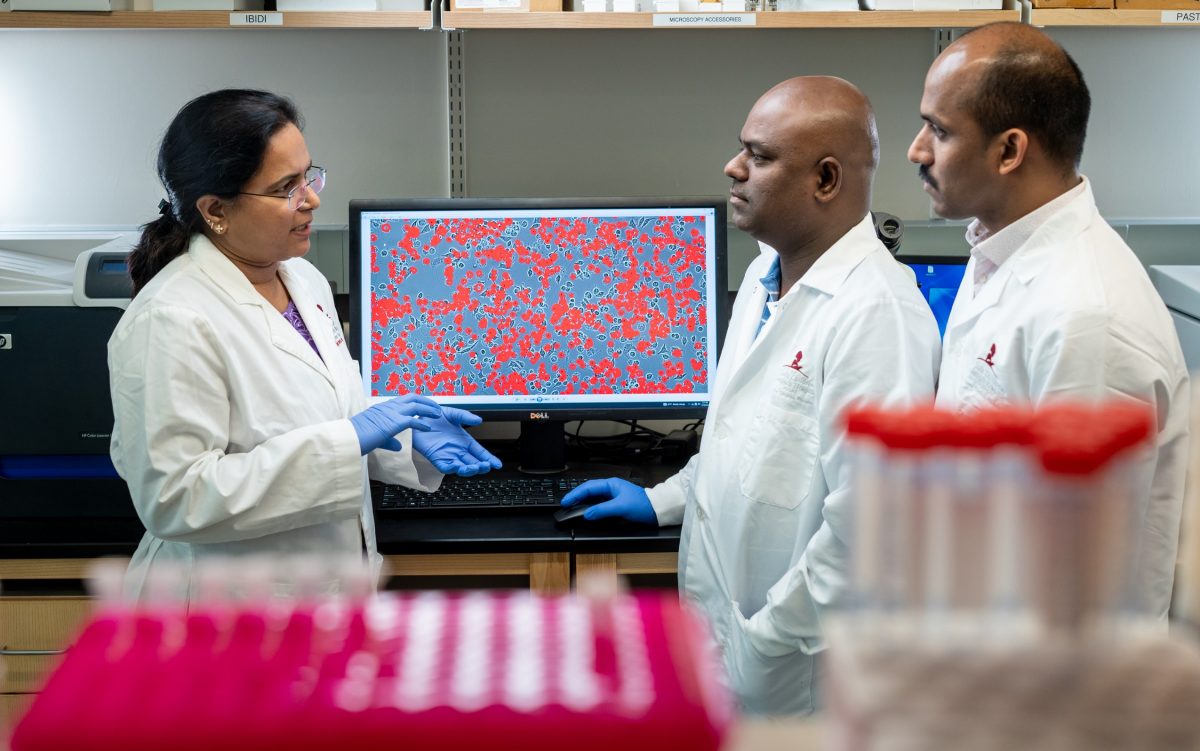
x,y
482,493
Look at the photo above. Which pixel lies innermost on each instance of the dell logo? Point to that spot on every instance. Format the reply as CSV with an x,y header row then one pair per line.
x,y
5,341
539,415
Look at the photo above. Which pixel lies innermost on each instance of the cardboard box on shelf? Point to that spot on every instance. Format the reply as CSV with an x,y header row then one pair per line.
x,y
325,5
203,5
1102,4
70,5
1157,5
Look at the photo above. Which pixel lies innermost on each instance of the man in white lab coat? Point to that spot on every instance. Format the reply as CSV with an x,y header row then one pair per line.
x,y
825,318
1053,303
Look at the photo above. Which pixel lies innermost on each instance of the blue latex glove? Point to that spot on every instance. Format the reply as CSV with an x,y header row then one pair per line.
x,y
378,425
450,449
613,497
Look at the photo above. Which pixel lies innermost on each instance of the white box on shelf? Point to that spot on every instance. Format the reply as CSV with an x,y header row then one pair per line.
x,y
326,5
625,6
710,7
890,4
666,6
980,4
68,5
205,5
403,5
595,6
935,4
733,6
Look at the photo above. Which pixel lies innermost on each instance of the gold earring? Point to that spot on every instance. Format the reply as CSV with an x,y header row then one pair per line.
x,y
219,229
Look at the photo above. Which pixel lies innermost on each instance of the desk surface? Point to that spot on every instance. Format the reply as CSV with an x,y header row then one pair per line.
x,y
89,520
397,534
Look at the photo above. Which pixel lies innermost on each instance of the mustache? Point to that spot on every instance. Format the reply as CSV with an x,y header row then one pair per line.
x,y
923,173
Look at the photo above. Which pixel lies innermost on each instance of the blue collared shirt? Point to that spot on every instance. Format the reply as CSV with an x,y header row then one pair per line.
x,y
770,283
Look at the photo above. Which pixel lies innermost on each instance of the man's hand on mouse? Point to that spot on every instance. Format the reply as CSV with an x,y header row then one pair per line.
x,y
613,498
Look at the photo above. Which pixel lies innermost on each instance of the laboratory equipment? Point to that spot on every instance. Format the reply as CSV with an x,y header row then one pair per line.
x,y
1179,287
469,670
541,310
994,601
61,295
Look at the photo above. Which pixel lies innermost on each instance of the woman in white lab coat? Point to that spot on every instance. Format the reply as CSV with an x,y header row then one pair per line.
x,y
241,424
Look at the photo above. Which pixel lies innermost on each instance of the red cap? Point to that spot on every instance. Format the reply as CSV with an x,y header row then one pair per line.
x,y
863,421
913,429
1133,424
1078,439
1008,425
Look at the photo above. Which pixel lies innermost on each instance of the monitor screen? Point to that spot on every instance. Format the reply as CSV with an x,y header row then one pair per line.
x,y
939,278
541,309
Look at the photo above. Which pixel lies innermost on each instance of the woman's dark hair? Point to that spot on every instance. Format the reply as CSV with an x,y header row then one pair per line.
x,y
214,146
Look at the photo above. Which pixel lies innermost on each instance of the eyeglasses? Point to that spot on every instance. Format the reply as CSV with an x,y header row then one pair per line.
x,y
314,180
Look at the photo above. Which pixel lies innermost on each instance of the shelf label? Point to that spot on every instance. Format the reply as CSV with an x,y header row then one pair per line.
x,y
487,4
256,19
1181,16
704,20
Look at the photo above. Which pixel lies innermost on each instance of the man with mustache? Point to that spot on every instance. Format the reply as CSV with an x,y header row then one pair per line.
x,y
1054,304
825,318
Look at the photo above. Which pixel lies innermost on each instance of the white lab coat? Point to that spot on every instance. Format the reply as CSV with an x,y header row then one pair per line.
x,y
766,503
230,431
1072,314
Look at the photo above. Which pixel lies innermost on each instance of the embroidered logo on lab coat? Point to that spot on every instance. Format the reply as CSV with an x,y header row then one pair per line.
x,y
988,358
793,389
982,387
795,364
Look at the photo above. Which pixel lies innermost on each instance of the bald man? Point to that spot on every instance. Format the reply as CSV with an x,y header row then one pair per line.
x,y
825,318
1053,305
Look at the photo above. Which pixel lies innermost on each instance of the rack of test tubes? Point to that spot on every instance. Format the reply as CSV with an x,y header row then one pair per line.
x,y
995,593
465,670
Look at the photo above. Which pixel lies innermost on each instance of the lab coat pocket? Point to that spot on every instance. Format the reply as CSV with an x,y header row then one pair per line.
x,y
765,684
778,459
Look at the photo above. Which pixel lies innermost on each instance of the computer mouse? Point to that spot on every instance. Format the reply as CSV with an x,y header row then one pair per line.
x,y
572,514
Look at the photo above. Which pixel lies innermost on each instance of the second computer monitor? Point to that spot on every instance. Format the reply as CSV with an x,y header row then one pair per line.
x,y
541,310
939,278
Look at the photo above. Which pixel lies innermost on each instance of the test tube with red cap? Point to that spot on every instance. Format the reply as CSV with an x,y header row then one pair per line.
x,y
1081,519
1007,487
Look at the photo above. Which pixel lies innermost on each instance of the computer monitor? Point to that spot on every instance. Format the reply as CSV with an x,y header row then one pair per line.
x,y
541,310
939,278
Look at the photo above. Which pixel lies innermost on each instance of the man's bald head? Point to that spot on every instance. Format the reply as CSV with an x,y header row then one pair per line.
x,y
1012,75
803,176
831,112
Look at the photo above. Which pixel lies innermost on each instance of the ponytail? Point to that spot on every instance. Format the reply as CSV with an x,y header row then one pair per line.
x,y
161,242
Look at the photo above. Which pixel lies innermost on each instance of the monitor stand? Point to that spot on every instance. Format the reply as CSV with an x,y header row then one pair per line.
x,y
542,447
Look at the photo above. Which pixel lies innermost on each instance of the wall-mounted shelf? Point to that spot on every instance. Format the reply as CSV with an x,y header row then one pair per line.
x,y
1104,17
212,19
772,20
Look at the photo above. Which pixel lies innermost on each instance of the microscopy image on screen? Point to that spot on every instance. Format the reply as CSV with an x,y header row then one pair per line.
x,y
530,305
